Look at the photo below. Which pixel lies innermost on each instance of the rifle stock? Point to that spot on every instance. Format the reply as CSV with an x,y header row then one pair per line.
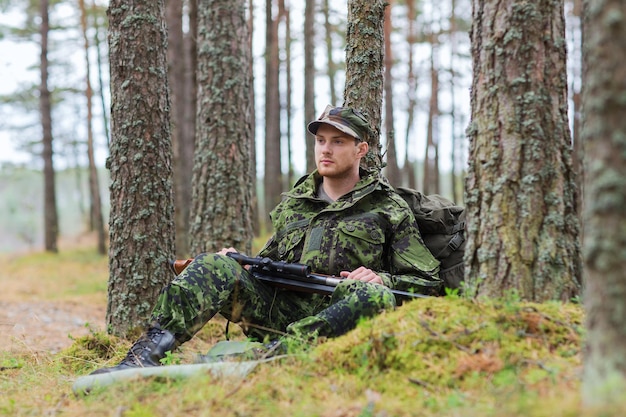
x,y
177,266
291,276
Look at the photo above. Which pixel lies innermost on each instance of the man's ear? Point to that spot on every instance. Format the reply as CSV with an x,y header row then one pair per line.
x,y
363,148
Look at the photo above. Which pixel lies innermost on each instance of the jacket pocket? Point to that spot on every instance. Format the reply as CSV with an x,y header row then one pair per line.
x,y
361,242
291,241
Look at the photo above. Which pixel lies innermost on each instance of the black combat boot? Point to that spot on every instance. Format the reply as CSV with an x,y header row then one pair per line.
x,y
147,351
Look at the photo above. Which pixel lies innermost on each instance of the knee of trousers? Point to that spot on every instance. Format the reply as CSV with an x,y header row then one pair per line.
x,y
210,271
377,296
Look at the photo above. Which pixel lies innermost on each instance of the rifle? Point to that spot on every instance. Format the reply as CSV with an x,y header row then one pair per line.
x,y
291,276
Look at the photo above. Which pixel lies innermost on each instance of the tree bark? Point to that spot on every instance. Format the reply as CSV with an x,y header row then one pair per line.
x,y
141,224
96,12
309,80
604,142
254,205
364,69
273,173
181,139
331,67
455,180
94,183
411,37
521,196
51,218
222,190
285,16
191,106
431,157
576,94
392,170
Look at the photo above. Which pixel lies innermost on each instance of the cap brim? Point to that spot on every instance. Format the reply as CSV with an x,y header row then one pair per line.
x,y
314,125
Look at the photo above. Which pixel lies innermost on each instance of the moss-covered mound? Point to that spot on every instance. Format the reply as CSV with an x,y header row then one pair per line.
x,y
431,357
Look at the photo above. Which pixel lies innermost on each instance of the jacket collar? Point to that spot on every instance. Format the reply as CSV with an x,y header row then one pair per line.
x,y
370,181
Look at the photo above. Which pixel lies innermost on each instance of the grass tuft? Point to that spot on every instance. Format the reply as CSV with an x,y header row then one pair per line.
x,y
93,351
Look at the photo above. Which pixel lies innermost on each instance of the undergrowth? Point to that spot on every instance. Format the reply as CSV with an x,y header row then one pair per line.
x,y
440,356
448,356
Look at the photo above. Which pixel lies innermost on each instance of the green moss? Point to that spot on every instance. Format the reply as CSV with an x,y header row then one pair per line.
x,y
90,352
463,346
431,357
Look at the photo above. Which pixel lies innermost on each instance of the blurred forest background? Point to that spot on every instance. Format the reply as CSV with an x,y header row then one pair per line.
x,y
426,109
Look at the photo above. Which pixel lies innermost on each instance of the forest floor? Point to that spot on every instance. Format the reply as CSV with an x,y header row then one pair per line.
x,y
448,356
45,326
33,318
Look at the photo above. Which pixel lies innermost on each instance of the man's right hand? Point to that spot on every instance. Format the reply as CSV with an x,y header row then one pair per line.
x,y
362,274
224,251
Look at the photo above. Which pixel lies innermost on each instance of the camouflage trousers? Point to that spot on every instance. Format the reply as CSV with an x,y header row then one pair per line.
x,y
215,283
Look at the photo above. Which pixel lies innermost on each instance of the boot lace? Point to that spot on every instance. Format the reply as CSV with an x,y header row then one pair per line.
x,y
141,350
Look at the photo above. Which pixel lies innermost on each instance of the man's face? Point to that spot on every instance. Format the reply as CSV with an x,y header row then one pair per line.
x,y
336,153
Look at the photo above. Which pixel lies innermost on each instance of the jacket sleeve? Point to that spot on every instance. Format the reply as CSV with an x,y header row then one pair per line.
x,y
411,265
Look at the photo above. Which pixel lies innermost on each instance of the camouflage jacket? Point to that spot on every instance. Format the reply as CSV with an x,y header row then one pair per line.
x,y
370,226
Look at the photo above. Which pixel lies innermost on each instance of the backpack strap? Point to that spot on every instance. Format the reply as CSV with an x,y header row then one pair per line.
x,y
453,244
459,227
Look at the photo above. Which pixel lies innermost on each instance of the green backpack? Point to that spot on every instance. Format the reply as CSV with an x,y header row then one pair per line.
x,y
442,226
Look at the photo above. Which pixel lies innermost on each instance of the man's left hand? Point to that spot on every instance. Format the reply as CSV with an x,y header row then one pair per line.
x,y
362,274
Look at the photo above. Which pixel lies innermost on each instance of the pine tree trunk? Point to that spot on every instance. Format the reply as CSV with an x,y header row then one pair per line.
x,y
455,180
96,38
254,204
51,218
392,170
521,197
604,141
309,80
94,184
409,168
188,141
222,190
576,94
431,157
182,165
331,67
272,173
364,68
284,15
141,224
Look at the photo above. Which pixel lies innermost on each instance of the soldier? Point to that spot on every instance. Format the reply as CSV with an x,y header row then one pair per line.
x,y
340,220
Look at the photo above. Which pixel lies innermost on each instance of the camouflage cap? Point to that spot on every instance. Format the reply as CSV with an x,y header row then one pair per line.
x,y
347,120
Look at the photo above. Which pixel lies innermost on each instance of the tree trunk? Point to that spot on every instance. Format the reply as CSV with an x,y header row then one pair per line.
x,y
182,165
284,15
51,219
604,141
331,67
431,157
309,80
364,69
392,170
575,90
76,153
409,168
94,184
222,190
520,196
272,177
455,182
142,214
188,140
95,12
254,204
